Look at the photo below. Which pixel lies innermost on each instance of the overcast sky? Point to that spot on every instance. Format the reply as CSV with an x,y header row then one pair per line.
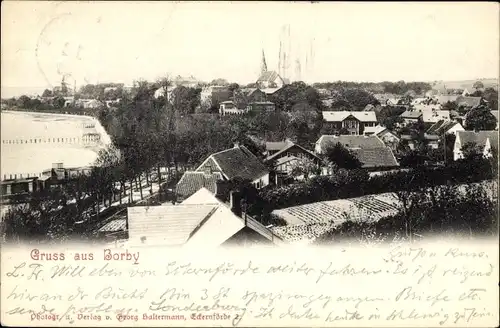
x,y
125,41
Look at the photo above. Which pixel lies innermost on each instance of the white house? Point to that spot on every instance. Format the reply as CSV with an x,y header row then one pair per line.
x,y
353,122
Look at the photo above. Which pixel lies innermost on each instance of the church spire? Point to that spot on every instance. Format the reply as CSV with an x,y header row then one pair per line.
x,y
263,65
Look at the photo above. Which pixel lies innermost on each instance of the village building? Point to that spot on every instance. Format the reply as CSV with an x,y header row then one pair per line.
x,y
443,127
431,140
469,103
486,140
353,122
230,108
289,156
200,220
237,162
411,116
348,141
433,116
389,138
192,181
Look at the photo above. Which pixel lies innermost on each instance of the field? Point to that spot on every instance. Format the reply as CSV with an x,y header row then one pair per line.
x,y
466,84
32,142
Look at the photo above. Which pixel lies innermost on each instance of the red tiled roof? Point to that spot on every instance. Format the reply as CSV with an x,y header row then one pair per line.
x,y
191,182
376,157
239,162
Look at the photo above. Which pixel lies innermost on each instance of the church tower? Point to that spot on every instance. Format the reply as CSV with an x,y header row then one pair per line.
x,y
263,65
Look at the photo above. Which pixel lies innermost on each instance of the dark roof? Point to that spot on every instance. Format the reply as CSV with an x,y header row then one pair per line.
x,y
277,145
441,127
411,114
427,136
376,157
239,162
268,76
468,101
355,141
479,138
191,182
287,147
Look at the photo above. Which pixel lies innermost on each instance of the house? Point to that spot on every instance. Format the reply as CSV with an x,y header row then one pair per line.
x,y
469,102
237,162
370,150
19,186
94,103
426,107
291,155
160,92
389,138
353,122
254,95
271,91
200,221
433,116
441,100
186,81
230,108
270,79
261,106
487,140
272,147
443,127
191,182
348,141
387,99
419,101
376,159
432,140
411,116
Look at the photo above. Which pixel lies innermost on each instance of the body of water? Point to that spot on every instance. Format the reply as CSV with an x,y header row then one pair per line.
x,y
32,142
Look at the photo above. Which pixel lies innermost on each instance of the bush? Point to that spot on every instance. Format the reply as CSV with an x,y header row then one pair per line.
x,y
357,183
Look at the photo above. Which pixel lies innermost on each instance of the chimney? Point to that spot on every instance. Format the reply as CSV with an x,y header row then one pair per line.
x,y
235,202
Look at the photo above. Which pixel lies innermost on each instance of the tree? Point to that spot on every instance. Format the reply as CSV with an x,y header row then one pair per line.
x,y
478,85
23,101
491,96
304,167
297,92
342,157
353,99
450,105
480,119
58,102
47,93
219,81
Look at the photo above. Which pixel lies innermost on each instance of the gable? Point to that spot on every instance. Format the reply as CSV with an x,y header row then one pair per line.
x,y
209,166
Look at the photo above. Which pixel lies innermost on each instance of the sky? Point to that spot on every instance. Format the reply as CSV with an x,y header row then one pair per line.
x,y
126,41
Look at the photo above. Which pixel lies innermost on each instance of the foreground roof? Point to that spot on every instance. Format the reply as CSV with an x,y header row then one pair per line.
x,y
310,221
165,225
